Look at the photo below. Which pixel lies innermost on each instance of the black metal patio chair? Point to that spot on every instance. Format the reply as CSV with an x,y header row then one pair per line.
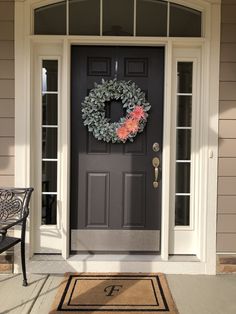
x,y
14,210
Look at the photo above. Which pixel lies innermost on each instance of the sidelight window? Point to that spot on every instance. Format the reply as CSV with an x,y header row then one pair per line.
x,y
118,18
49,135
183,143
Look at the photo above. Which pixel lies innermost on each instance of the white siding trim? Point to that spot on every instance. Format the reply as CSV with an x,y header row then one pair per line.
x,y
212,151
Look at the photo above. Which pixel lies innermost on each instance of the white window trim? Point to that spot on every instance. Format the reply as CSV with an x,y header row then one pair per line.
x,y
23,157
42,244
182,235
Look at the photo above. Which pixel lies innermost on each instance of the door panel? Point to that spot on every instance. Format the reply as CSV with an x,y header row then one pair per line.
x,y
112,184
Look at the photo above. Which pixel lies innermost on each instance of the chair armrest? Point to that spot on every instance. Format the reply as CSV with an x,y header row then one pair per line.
x,y
4,229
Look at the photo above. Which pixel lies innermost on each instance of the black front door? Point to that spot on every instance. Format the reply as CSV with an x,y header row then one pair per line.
x,y
114,204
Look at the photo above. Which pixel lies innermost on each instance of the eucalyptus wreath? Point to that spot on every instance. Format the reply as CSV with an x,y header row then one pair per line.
x,y
134,102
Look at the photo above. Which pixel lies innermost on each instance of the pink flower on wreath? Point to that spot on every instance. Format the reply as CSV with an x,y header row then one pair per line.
x,y
122,132
138,113
131,125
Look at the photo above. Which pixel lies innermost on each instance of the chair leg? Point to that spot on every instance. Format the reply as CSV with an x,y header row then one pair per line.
x,y
25,283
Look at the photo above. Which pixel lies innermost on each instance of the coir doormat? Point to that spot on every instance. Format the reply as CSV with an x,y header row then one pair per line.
x,y
114,293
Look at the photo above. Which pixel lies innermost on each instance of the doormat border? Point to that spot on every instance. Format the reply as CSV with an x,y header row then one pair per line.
x,y
160,279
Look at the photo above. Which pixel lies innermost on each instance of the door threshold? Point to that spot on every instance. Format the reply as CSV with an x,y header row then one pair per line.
x,y
132,258
117,263
116,258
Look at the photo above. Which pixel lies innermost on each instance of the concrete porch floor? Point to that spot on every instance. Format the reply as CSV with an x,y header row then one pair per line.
x,y
193,294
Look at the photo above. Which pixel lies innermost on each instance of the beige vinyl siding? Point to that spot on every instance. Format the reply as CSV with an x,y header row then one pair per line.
x,y
226,222
227,167
226,242
6,93
227,110
226,204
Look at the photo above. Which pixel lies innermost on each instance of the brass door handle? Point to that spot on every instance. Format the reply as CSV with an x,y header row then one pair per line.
x,y
156,163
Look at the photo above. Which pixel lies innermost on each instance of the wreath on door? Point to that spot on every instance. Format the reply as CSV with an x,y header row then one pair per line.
x,y
134,102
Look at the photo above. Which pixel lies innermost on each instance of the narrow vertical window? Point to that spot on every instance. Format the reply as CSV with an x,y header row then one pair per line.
x,y
49,141
183,143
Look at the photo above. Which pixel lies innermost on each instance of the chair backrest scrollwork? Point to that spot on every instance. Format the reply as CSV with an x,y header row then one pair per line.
x,y
14,203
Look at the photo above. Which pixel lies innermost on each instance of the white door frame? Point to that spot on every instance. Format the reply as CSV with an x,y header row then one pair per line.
x,y
209,45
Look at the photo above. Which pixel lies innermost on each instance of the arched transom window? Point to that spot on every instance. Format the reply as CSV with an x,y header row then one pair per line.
x,y
148,18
